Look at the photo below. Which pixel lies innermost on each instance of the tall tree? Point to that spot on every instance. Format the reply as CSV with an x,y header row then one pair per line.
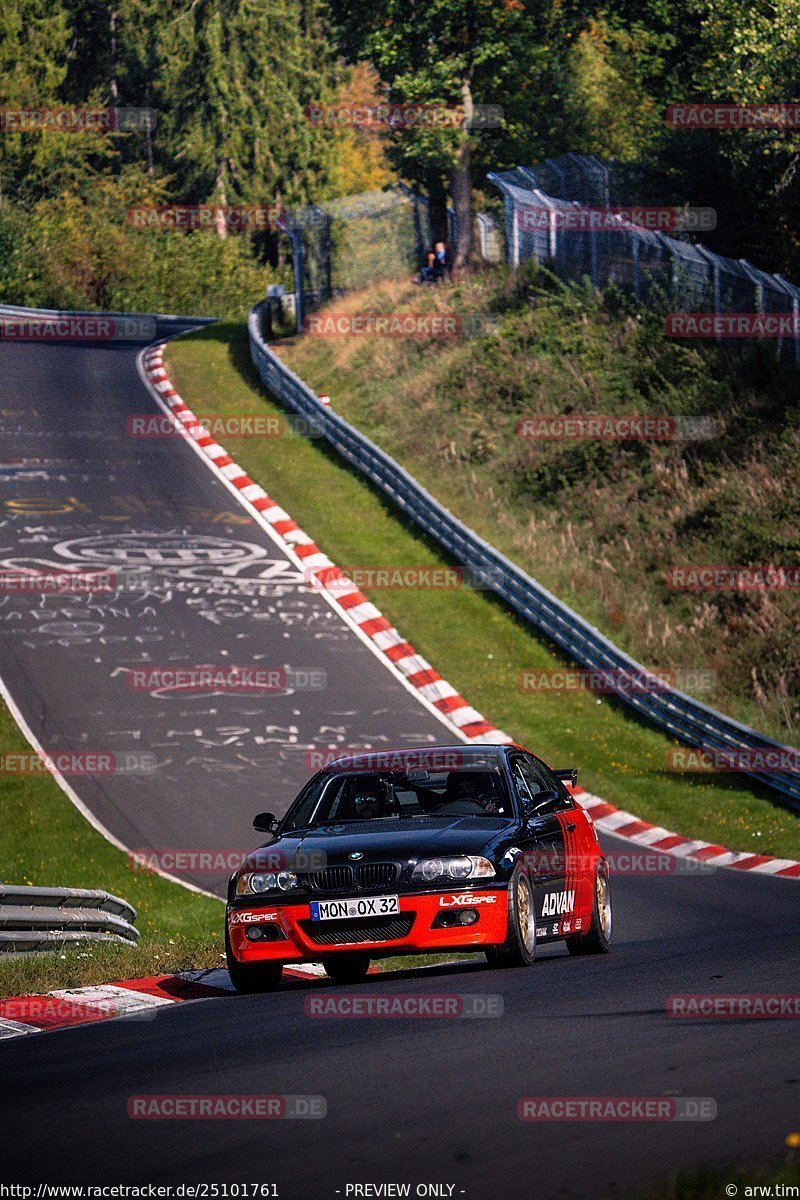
x,y
235,79
34,42
453,53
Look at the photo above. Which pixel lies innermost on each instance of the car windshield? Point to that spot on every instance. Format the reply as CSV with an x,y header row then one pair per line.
x,y
388,796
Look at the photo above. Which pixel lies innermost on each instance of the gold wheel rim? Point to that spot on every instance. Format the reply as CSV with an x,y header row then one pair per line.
x,y
604,906
525,915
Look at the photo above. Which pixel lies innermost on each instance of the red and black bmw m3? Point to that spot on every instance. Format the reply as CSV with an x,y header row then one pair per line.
x,y
467,848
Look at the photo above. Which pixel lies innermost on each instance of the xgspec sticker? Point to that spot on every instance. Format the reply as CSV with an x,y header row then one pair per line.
x,y
252,918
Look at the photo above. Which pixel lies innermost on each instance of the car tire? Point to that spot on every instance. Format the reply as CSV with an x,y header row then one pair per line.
x,y
519,948
598,939
252,977
346,968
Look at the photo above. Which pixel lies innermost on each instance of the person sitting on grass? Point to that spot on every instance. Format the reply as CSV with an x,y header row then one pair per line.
x,y
440,263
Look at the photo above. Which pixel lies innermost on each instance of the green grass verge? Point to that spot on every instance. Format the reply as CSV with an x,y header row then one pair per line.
x,y
37,973
470,638
44,841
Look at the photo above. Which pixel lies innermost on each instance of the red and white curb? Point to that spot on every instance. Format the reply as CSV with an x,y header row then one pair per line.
x,y
139,998
449,705
81,1006
653,837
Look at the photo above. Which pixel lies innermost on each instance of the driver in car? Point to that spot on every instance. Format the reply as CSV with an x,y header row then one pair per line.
x,y
366,806
475,786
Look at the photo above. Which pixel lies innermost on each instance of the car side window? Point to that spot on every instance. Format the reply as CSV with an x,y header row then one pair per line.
x,y
525,780
551,783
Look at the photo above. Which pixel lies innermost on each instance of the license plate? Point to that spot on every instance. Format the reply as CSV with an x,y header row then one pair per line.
x,y
364,906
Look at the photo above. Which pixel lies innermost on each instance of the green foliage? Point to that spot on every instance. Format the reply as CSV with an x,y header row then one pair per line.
x,y
233,85
80,252
613,114
426,55
228,80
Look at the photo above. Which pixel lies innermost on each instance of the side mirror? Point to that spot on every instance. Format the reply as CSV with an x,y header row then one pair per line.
x,y
568,775
541,801
265,822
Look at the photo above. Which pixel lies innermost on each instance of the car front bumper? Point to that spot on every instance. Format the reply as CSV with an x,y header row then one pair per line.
x,y
287,933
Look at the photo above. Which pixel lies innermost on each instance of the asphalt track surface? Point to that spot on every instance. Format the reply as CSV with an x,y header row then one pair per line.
x,y
408,1100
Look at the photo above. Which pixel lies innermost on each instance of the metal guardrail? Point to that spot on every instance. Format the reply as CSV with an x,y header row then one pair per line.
x,y
37,919
673,711
13,310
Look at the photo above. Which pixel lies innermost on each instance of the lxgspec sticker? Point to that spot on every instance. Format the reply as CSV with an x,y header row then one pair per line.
x,y
556,903
465,898
252,918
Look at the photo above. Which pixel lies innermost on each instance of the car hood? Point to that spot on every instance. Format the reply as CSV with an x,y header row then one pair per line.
x,y
396,841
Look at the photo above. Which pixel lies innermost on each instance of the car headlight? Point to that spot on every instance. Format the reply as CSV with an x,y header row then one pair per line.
x,y
461,866
266,881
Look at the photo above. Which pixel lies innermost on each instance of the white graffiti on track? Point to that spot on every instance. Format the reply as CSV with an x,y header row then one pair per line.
x,y
178,554
219,579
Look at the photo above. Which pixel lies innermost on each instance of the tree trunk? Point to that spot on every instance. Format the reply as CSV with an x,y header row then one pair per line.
x,y
222,202
461,184
437,207
113,86
148,131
